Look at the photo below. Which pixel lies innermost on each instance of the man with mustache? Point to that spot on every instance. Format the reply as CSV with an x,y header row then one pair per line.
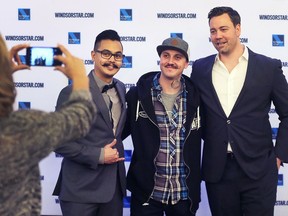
x,y
163,120
92,177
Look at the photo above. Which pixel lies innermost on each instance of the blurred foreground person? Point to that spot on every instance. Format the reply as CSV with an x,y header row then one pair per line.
x,y
28,136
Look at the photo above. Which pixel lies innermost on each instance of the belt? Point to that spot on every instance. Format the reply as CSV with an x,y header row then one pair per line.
x,y
230,155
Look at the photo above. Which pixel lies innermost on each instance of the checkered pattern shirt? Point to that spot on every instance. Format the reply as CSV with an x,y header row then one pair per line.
x,y
171,171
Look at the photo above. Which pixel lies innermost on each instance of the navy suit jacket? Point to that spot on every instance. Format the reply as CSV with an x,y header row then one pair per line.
x,y
247,128
82,179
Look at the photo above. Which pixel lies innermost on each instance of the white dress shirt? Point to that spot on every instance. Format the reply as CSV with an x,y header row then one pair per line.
x,y
229,85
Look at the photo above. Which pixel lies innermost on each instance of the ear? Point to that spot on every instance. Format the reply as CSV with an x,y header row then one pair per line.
x,y
187,64
93,54
238,30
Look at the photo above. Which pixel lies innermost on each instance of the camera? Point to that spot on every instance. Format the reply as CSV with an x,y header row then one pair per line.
x,y
42,56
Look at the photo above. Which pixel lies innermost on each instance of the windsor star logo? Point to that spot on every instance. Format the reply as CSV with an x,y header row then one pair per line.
x,y
74,38
24,105
176,35
24,14
278,40
125,14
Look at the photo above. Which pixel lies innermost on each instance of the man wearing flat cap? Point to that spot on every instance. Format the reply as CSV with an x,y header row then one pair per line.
x,y
163,121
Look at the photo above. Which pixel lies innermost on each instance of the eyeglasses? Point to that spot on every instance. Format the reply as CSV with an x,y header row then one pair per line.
x,y
106,54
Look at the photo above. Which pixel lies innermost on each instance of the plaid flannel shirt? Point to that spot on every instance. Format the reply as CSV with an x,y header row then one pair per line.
x,y
171,172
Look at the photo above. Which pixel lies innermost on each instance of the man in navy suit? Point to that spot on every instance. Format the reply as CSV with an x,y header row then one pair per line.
x,y
237,86
92,177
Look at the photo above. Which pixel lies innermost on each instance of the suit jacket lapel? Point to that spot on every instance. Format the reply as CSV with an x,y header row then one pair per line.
x,y
98,100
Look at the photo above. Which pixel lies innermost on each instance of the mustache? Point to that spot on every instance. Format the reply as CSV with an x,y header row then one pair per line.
x,y
109,64
171,66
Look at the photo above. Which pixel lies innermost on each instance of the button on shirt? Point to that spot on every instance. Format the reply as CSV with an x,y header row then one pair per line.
x,y
229,85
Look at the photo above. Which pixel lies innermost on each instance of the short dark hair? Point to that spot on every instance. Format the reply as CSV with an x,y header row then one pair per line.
x,y
233,14
108,34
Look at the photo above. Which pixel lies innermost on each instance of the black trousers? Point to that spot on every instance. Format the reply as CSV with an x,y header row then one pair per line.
x,y
155,208
238,195
112,208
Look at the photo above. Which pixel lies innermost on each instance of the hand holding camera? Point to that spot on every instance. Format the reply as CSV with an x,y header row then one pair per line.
x,y
42,56
68,64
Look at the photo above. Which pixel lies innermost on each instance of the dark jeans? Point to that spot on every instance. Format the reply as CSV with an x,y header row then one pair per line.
x,y
156,208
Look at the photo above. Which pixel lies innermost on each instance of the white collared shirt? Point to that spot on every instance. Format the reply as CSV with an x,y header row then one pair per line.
x,y
229,85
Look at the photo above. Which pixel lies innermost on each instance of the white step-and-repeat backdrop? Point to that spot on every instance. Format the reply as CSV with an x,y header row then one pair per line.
x,y
142,26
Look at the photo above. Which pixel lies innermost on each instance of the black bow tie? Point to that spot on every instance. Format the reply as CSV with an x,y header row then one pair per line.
x,y
107,87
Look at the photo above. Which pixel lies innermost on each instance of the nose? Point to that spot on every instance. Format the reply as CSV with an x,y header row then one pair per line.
x,y
218,34
111,58
170,60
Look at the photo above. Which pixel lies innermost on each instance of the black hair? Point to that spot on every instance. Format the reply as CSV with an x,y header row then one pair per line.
x,y
233,14
106,35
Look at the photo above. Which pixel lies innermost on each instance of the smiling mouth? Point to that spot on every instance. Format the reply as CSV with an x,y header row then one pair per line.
x,y
220,43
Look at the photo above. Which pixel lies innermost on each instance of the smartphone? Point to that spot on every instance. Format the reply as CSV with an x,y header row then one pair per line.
x,y
42,56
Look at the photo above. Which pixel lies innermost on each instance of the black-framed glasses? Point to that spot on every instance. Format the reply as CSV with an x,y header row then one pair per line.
x,y
106,54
